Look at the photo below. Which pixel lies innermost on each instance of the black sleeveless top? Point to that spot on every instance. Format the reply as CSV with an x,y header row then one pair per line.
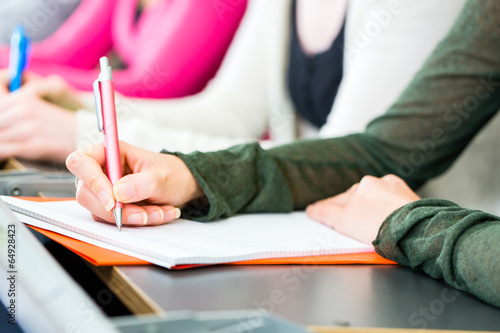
x,y
313,81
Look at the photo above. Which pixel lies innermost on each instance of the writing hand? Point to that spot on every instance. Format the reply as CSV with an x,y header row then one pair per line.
x,y
33,128
152,186
360,211
52,88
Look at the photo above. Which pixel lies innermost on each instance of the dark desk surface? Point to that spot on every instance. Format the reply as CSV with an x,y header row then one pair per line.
x,y
357,295
361,295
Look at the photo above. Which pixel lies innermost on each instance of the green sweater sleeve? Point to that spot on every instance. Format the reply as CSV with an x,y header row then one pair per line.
x,y
454,95
447,242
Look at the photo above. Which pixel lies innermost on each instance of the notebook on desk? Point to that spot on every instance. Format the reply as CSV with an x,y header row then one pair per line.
x,y
286,238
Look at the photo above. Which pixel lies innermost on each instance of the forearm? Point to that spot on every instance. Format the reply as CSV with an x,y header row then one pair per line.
x,y
249,179
447,242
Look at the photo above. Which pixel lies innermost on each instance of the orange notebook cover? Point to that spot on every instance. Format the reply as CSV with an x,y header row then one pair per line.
x,y
103,257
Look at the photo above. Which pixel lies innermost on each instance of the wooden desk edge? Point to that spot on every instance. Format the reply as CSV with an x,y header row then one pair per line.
x,y
133,297
12,163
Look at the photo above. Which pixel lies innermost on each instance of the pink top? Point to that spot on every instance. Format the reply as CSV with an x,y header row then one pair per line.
x,y
171,50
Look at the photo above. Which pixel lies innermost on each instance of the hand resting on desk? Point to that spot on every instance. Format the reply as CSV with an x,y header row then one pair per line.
x,y
360,211
152,186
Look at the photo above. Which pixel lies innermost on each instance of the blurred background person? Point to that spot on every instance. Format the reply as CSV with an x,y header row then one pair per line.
x,y
291,66
165,48
40,18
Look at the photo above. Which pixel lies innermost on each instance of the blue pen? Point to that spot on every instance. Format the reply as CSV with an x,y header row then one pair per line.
x,y
19,53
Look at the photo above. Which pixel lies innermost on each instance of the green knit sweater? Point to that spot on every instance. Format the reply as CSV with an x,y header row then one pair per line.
x,y
454,95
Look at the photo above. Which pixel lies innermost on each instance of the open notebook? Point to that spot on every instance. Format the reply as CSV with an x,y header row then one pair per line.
x,y
183,242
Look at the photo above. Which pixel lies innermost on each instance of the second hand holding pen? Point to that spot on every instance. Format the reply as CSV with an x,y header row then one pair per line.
x,y
106,121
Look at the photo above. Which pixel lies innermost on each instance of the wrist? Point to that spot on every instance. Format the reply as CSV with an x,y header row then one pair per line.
x,y
196,192
178,176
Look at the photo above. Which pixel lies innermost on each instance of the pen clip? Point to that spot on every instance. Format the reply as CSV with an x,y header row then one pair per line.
x,y
98,104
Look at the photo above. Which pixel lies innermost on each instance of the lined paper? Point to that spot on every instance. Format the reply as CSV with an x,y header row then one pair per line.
x,y
184,242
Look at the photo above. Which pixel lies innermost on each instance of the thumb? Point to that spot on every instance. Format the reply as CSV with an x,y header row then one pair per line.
x,y
136,187
37,87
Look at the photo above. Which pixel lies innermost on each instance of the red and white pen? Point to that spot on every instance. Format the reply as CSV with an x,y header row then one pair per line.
x,y
104,95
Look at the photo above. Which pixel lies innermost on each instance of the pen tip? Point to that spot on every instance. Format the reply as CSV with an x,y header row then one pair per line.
x,y
117,212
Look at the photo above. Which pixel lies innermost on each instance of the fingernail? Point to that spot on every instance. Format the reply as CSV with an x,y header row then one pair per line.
x,y
172,214
124,192
106,200
79,186
156,216
138,219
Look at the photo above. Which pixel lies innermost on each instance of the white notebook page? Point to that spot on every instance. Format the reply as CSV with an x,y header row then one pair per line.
x,y
243,237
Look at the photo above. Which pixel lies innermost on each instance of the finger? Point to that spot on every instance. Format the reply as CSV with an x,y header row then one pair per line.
x,y
35,85
87,199
9,116
8,135
344,198
370,181
329,214
396,182
135,215
15,132
97,152
9,100
393,180
399,186
340,199
10,149
132,214
161,214
135,187
87,165
155,215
